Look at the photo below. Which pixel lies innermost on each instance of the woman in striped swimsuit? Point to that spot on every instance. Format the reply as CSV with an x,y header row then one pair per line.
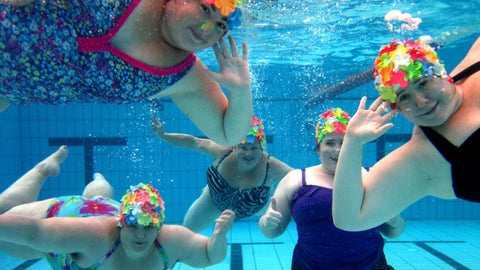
x,y
240,178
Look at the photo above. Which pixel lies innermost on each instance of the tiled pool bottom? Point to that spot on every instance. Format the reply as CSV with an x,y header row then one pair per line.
x,y
446,244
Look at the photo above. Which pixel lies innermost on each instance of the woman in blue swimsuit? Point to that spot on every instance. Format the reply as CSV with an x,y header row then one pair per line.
x,y
79,233
440,159
61,52
240,178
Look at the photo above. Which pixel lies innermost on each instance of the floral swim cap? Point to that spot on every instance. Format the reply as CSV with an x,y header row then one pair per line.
x,y
141,205
256,134
330,121
403,61
228,8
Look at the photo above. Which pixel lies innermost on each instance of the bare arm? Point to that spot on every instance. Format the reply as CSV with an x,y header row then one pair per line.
x,y
224,121
186,141
201,251
392,184
394,227
54,235
279,169
275,220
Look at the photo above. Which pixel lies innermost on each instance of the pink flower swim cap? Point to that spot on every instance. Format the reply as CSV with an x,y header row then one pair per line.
x,y
403,61
141,205
330,121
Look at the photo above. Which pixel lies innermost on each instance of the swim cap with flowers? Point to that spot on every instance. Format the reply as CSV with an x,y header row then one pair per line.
x,y
330,121
403,61
141,205
256,134
225,6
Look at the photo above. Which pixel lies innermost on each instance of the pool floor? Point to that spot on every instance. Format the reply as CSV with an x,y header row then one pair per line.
x,y
445,244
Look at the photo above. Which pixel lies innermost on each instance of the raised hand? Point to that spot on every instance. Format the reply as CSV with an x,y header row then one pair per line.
x,y
234,73
367,125
157,127
225,222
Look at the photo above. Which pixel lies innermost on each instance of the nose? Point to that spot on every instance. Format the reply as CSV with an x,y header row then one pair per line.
x,y
337,148
140,234
420,100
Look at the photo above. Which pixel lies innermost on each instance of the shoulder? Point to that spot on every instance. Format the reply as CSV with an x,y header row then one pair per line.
x,y
292,180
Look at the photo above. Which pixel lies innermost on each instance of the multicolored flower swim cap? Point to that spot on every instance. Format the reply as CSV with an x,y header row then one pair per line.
x,y
256,134
141,205
330,121
228,8
403,61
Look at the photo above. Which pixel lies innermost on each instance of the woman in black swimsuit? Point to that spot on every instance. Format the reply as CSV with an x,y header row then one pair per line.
x,y
240,178
441,156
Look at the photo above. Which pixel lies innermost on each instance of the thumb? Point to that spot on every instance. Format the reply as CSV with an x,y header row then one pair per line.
x,y
213,75
274,204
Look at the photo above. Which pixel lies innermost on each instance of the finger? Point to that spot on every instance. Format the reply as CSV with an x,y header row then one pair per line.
x,y
224,48
244,51
381,130
361,105
274,204
389,116
375,105
233,46
218,53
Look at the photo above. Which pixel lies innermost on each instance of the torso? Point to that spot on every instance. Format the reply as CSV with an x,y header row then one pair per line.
x,y
319,241
243,178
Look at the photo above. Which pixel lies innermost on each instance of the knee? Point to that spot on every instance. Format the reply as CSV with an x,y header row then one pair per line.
x,y
99,187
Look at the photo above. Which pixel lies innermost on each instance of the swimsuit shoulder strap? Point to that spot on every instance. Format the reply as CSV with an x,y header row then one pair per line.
x,y
266,170
467,72
444,146
109,253
225,156
304,181
162,253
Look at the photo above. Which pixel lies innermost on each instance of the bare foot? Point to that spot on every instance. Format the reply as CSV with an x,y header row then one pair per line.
x,y
51,165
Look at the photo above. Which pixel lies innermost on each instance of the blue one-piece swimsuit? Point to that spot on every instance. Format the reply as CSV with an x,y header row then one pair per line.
x,y
58,52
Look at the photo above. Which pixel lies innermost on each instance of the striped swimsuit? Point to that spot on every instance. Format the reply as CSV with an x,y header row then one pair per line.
x,y
245,202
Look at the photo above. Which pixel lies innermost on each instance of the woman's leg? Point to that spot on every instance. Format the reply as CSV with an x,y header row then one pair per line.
x,y
27,187
202,213
99,187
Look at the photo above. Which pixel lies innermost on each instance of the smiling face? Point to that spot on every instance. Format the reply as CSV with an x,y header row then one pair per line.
x,y
192,25
249,154
328,151
137,239
427,101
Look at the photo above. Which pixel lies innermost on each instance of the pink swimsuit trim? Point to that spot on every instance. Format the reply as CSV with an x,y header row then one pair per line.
x,y
95,44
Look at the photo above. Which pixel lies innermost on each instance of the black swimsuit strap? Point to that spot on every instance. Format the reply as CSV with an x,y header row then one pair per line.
x,y
444,146
225,156
467,72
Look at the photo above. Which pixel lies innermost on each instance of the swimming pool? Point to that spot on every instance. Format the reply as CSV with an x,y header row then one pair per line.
x,y
296,48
